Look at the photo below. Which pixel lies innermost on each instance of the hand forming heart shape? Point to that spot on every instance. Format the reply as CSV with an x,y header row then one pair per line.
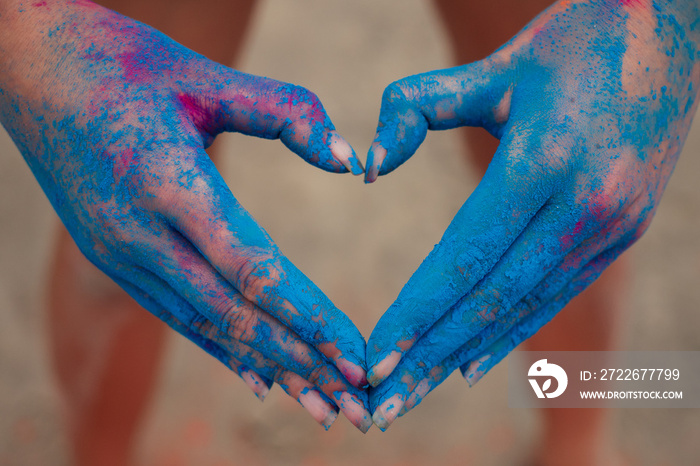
x,y
120,155
592,103
591,115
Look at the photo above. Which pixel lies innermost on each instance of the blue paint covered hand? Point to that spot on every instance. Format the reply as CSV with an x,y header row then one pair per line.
x,y
113,119
592,103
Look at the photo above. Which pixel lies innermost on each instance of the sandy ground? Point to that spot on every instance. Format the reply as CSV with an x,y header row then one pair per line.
x,y
359,244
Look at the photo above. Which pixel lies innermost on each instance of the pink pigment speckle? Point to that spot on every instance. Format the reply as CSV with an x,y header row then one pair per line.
x,y
96,105
197,113
299,96
98,56
133,66
631,2
193,108
39,4
568,240
123,162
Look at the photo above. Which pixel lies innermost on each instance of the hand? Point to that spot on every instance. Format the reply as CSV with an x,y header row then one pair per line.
x,y
113,119
592,103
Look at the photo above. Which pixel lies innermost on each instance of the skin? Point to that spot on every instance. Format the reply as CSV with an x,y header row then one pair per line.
x,y
126,360
592,103
592,320
119,152
106,383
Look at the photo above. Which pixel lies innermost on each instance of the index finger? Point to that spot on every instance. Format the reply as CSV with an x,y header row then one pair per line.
x,y
475,94
221,99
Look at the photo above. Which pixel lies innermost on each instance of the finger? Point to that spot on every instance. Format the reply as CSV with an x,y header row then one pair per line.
x,y
476,94
166,297
203,209
476,358
510,194
227,100
231,352
320,407
259,384
183,268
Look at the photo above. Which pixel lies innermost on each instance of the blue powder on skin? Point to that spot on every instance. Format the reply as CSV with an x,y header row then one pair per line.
x,y
591,124
113,119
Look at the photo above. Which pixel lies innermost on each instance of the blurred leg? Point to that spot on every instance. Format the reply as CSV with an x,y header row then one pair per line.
x,y
105,348
590,321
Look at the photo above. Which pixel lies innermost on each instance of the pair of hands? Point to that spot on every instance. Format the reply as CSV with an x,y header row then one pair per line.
x,y
592,102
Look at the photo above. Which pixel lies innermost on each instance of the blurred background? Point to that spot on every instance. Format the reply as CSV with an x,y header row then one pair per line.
x,y
359,244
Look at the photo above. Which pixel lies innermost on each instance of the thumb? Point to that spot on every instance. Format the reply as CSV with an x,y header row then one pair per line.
x,y
228,100
476,94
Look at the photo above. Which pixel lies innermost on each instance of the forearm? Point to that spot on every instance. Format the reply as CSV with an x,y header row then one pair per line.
x,y
32,47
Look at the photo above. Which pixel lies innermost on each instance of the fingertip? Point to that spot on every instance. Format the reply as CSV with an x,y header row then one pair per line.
x,y
387,412
354,410
381,370
353,373
416,396
344,153
357,167
320,410
255,382
348,360
477,369
375,158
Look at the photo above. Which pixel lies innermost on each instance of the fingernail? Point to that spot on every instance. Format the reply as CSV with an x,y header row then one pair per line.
x,y
476,370
385,414
353,373
375,157
321,411
416,396
403,411
383,368
255,383
343,152
354,410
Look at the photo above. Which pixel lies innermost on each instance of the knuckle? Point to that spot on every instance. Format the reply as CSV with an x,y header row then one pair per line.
x,y
318,375
536,162
642,226
280,375
238,320
398,91
604,203
532,301
254,272
203,326
304,100
492,306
